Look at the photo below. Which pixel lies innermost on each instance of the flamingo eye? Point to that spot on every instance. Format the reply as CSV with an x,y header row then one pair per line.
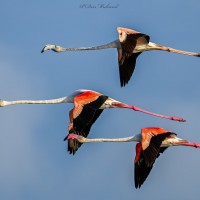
x,y
122,36
120,32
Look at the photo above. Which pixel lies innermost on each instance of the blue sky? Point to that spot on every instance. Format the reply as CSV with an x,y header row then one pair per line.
x,y
34,160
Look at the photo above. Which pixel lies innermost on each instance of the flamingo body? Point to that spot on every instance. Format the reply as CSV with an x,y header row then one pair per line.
x,y
151,142
154,141
88,106
130,45
147,150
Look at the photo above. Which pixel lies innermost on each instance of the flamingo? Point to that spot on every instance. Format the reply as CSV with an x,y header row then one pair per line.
x,y
151,142
130,45
88,105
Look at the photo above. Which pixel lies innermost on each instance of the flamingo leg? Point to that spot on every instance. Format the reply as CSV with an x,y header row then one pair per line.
x,y
122,105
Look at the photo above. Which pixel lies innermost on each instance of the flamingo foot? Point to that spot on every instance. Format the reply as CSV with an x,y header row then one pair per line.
x,y
191,144
177,119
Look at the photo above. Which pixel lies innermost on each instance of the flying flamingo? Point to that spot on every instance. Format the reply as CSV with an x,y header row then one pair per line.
x,y
151,142
88,105
129,45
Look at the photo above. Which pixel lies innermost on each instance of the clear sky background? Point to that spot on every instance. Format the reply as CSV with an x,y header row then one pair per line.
x,y
34,162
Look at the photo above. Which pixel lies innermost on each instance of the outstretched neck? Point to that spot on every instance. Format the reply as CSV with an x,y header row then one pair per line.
x,y
81,139
50,101
127,139
114,44
57,48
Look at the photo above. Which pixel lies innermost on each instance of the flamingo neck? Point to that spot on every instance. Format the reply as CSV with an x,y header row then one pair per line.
x,y
114,44
50,101
126,139
57,48
81,139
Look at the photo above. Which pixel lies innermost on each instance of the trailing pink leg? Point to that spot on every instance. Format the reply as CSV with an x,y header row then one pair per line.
x,y
122,105
191,144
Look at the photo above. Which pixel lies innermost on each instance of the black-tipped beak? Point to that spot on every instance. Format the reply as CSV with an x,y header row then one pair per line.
x,y
45,48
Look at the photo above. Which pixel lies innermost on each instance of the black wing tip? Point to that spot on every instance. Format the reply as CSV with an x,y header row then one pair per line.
x,y
73,146
72,149
138,183
138,186
124,83
124,77
127,68
139,180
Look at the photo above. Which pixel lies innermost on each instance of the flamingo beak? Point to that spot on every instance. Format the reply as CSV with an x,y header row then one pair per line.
x,y
44,49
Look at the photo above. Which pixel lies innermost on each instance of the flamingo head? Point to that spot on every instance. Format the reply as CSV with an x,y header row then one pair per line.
x,y
73,136
48,47
122,35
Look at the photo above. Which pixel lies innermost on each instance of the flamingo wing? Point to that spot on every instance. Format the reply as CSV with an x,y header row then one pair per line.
x,y
126,57
141,169
84,115
147,151
73,145
152,151
127,67
90,112
152,138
